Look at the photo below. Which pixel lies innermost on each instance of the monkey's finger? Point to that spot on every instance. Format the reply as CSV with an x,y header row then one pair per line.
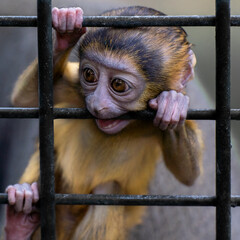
x,y
34,187
175,118
28,200
171,104
71,19
11,191
183,113
62,20
19,200
162,103
167,122
79,18
55,17
177,111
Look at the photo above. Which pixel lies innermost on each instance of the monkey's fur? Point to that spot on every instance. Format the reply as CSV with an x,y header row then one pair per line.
x,y
86,158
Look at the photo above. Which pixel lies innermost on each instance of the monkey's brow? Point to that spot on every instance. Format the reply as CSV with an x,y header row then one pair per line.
x,y
107,62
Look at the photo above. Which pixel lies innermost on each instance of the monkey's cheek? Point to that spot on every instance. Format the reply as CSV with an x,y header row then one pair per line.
x,y
110,126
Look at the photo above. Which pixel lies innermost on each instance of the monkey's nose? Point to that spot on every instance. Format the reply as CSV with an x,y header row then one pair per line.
x,y
100,112
97,107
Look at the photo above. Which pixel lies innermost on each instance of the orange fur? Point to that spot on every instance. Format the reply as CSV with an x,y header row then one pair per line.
x,y
86,158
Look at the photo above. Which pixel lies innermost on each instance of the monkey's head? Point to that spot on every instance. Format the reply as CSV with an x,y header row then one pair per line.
x,y
121,69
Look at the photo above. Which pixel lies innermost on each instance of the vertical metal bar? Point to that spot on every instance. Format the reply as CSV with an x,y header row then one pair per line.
x,y
223,125
46,120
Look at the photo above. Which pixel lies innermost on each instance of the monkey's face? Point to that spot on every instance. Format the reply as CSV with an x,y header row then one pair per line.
x,y
111,88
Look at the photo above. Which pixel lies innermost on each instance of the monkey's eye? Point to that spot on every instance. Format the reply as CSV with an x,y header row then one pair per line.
x,y
118,85
89,75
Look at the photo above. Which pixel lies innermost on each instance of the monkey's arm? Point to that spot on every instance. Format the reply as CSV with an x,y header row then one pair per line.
x,y
25,92
65,74
181,140
26,88
182,151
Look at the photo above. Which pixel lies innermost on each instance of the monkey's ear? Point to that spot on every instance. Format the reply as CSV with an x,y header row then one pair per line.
x,y
188,73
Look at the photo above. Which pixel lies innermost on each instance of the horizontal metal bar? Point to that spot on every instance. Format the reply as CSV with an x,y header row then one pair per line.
x,y
13,112
18,21
124,21
143,115
235,200
235,20
81,113
74,113
143,200
137,21
235,114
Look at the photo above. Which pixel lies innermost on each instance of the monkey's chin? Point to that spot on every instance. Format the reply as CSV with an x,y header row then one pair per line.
x,y
111,126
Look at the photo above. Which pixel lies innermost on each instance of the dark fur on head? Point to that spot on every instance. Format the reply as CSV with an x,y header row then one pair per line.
x,y
159,53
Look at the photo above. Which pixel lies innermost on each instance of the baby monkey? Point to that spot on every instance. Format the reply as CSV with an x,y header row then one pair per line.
x,y
119,70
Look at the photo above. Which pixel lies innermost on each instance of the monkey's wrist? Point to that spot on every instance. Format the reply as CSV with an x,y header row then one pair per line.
x,y
61,45
58,51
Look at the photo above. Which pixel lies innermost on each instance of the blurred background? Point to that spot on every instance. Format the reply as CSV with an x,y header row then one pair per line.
x,y
18,47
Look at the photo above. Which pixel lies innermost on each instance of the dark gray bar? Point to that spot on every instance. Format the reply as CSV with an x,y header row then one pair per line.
x,y
46,141
235,20
143,115
18,21
138,21
136,200
82,113
235,114
151,200
143,200
17,112
235,200
120,21
223,135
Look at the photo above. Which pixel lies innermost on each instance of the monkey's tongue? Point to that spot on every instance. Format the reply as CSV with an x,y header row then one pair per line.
x,y
107,123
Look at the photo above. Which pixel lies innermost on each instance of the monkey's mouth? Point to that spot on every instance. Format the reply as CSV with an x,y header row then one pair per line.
x,y
111,126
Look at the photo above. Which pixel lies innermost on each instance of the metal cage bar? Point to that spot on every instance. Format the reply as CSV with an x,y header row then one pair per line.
x,y
123,21
223,135
143,200
46,136
80,113
153,200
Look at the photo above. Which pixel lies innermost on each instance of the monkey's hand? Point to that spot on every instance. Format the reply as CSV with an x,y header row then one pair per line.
x,y
171,109
22,218
68,25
